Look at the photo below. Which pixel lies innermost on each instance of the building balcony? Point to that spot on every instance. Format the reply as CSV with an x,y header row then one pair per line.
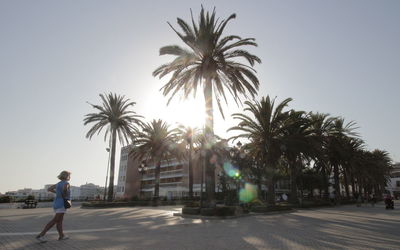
x,y
166,174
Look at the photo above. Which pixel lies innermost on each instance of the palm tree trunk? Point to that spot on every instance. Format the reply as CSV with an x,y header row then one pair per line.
x,y
259,190
271,191
271,186
293,183
325,181
346,184
353,186
337,185
157,181
209,134
112,166
190,169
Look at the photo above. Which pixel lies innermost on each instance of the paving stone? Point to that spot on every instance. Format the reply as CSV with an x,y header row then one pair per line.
x,y
342,227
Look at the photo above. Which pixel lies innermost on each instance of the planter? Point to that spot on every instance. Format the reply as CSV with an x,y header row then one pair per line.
x,y
266,209
228,211
207,211
191,210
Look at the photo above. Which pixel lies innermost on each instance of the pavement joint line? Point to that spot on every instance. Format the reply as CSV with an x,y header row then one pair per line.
x,y
66,231
72,231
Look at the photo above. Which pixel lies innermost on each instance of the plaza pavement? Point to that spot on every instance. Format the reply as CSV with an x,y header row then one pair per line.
x,y
342,227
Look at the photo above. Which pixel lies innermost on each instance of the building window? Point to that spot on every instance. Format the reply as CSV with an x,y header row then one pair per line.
x,y
397,183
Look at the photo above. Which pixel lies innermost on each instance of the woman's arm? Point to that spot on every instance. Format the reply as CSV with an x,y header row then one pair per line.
x,y
52,189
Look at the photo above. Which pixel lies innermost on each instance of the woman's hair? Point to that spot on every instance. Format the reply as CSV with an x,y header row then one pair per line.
x,y
64,175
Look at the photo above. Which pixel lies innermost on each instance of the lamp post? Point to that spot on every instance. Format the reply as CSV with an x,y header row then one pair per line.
x,y
108,165
237,177
142,169
203,163
237,154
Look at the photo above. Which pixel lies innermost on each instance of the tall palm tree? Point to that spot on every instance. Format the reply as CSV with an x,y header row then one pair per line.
x,y
321,125
156,142
266,132
118,121
299,143
188,134
212,62
352,147
338,135
216,147
372,170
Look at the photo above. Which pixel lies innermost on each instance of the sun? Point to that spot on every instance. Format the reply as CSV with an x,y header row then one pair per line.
x,y
189,112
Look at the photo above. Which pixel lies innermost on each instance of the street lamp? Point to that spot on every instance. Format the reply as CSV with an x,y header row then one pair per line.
x,y
237,177
142,169
108,165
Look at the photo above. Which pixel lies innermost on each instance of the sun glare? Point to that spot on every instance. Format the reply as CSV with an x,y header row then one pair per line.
x,y
188,112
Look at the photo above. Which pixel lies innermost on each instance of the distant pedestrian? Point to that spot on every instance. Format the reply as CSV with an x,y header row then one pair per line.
x,y
62,191
358,199
332,198
373,199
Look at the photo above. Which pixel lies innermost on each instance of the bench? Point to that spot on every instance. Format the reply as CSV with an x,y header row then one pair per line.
x,y
30,204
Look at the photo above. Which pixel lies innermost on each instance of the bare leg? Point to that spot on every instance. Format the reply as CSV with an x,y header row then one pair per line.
x,y
49,225
60,225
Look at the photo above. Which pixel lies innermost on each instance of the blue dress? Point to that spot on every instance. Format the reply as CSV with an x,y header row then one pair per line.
x,y
59,200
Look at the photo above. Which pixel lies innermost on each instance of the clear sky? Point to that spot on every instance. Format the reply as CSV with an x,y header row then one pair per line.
x,y
337,57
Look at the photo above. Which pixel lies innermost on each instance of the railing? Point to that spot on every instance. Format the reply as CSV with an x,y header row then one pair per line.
x,y
172,173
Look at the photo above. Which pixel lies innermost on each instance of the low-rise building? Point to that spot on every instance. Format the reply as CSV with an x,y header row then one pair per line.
x,y
174,177
90,191
393,185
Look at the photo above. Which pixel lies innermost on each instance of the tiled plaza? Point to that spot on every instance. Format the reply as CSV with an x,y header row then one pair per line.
x,y
343,227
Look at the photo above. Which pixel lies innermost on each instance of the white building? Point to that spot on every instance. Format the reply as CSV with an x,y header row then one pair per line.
x,y
39,194
393,185
75,193
123,165
90,191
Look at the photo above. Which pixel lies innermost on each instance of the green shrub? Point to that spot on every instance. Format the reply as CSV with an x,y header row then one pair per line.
x,y
5,199
135,198
315,203
265,209
190,210
192,204
30,197
207,211
225,211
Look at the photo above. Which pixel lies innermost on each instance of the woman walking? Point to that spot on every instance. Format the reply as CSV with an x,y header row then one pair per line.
x,y
62,191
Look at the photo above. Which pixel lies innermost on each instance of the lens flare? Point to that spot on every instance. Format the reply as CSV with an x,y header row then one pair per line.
x,y
248,193
230,170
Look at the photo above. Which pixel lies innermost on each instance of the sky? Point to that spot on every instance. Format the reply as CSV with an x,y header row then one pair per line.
x,y
336,57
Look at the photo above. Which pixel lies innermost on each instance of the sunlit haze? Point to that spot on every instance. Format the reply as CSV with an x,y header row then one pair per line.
x,y
336,57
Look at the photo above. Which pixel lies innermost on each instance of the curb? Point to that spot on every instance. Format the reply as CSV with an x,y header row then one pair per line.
x,y
192,216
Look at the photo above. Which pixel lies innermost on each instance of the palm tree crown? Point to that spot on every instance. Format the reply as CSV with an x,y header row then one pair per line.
x,y
156,142
211,58
266,132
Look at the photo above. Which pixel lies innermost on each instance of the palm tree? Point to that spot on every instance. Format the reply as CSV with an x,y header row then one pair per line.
x,y
115,117
156,142
352,147
266,134
321,125
372,169
338,135
299,143
211,63
187,135
216,147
